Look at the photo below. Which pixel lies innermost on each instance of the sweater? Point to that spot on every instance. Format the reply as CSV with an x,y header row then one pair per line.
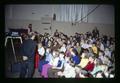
x,y
89,66
28,48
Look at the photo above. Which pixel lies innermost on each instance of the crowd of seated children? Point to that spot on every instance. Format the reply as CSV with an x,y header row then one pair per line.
x,y
80,55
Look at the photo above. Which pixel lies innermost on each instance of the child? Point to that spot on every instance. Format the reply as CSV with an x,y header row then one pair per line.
x,y
52,72
41,50
69,71
95,49
78,48
39,54
63,48
53,62
84,60
89,67
107,52
75,58
48,57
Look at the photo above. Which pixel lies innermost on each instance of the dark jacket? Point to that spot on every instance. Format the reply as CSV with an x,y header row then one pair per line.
x,y
28,48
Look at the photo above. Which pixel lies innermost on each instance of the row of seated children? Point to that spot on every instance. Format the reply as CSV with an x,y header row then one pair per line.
x,y
70,57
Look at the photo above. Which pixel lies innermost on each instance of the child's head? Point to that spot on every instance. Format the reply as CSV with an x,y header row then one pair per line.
x,y
93,44
64,45
67,59
68,42
73,43
97,61
55,43
61,55
55,53
39,45
48,50
74,52
77,44
49,43
91,59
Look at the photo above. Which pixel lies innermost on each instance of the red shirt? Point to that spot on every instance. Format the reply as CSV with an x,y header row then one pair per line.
x,y
89,66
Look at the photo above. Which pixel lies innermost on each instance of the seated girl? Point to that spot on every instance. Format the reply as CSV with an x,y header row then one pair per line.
x,y
52,62
98,67
39,54
63,48
69,70
78,48
89,67
41,49
75,59
48,57
52,72
84,60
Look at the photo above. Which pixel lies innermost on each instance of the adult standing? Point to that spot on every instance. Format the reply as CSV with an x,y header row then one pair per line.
x,y
28,51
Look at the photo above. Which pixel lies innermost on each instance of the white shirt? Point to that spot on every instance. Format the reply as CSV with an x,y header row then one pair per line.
x,y
62,49
41,51
69,71
89,45
101,57
108,53
55,61
102,47
51,61
85,46
91,41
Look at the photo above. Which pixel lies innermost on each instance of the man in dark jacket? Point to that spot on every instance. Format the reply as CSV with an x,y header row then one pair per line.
x,y
28,51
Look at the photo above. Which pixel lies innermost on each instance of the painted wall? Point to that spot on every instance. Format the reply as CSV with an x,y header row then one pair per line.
x,y
19,16
64,27
103,14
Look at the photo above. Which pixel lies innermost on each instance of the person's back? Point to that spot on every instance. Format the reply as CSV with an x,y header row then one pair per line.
x,y
28,52
28,48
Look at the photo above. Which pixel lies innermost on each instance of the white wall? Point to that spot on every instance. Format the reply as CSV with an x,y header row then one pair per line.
x,y
19,16
65,27
103,14
28,12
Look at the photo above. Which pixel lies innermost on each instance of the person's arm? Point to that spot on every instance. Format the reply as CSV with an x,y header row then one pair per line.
x,y
22,49
43,51
32,50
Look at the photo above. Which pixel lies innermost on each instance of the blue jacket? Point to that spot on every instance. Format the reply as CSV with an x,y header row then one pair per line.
x,y
76,59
